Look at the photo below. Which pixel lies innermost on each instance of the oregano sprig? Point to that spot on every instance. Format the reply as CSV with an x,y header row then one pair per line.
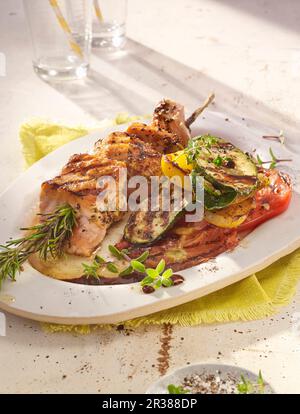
x,y
155,278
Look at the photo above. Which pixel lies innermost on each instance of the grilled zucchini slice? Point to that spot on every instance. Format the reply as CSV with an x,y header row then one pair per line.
x,y
146,227
221,163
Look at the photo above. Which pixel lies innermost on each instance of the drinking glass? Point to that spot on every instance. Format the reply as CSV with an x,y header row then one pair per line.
x,y
109,24
61,32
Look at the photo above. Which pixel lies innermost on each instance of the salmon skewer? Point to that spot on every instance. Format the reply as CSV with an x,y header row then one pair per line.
x,y
139,150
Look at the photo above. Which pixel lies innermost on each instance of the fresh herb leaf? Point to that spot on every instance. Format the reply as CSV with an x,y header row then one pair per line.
x,y
157,284
261,383
247,387
128,271
139,267
91,270
147,281
125,251
274,160
152,273
155,278
173,389
272,155
167,274
218,161
167,282
112,267
120,255
161,266
196,145
259,160
158,277
143,257
100,259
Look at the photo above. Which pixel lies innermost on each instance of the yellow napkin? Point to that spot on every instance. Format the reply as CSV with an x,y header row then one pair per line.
x,y
255,297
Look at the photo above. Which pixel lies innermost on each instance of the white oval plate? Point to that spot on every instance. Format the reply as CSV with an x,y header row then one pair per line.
x,y
41,298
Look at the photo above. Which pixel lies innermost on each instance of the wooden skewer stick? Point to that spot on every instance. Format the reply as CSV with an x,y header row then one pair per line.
x,y
199,111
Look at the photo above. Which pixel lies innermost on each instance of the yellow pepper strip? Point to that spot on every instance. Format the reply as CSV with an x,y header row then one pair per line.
x,y
175,164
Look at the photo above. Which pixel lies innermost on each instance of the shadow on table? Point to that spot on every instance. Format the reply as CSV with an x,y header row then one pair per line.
x,y
135,80
280,13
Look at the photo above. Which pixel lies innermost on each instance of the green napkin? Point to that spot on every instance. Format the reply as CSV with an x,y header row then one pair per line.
x,y
255,297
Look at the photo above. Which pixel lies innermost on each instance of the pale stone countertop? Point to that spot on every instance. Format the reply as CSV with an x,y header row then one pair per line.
x,y
248,52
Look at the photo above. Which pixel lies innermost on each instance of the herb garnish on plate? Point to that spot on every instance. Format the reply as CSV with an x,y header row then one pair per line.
x,y
46,238
274,160
154,279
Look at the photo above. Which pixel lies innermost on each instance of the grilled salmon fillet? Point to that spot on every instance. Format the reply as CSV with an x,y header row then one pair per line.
x,y
77,185
139,157
161,140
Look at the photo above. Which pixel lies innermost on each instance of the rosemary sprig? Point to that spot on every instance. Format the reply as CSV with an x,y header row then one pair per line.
x,y
46,238
274,160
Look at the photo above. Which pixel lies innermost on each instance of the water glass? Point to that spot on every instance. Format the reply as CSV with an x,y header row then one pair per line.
x,y
61,32
109,24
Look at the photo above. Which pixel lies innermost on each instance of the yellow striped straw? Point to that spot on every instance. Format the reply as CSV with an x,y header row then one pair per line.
x,y
98,11
66,28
